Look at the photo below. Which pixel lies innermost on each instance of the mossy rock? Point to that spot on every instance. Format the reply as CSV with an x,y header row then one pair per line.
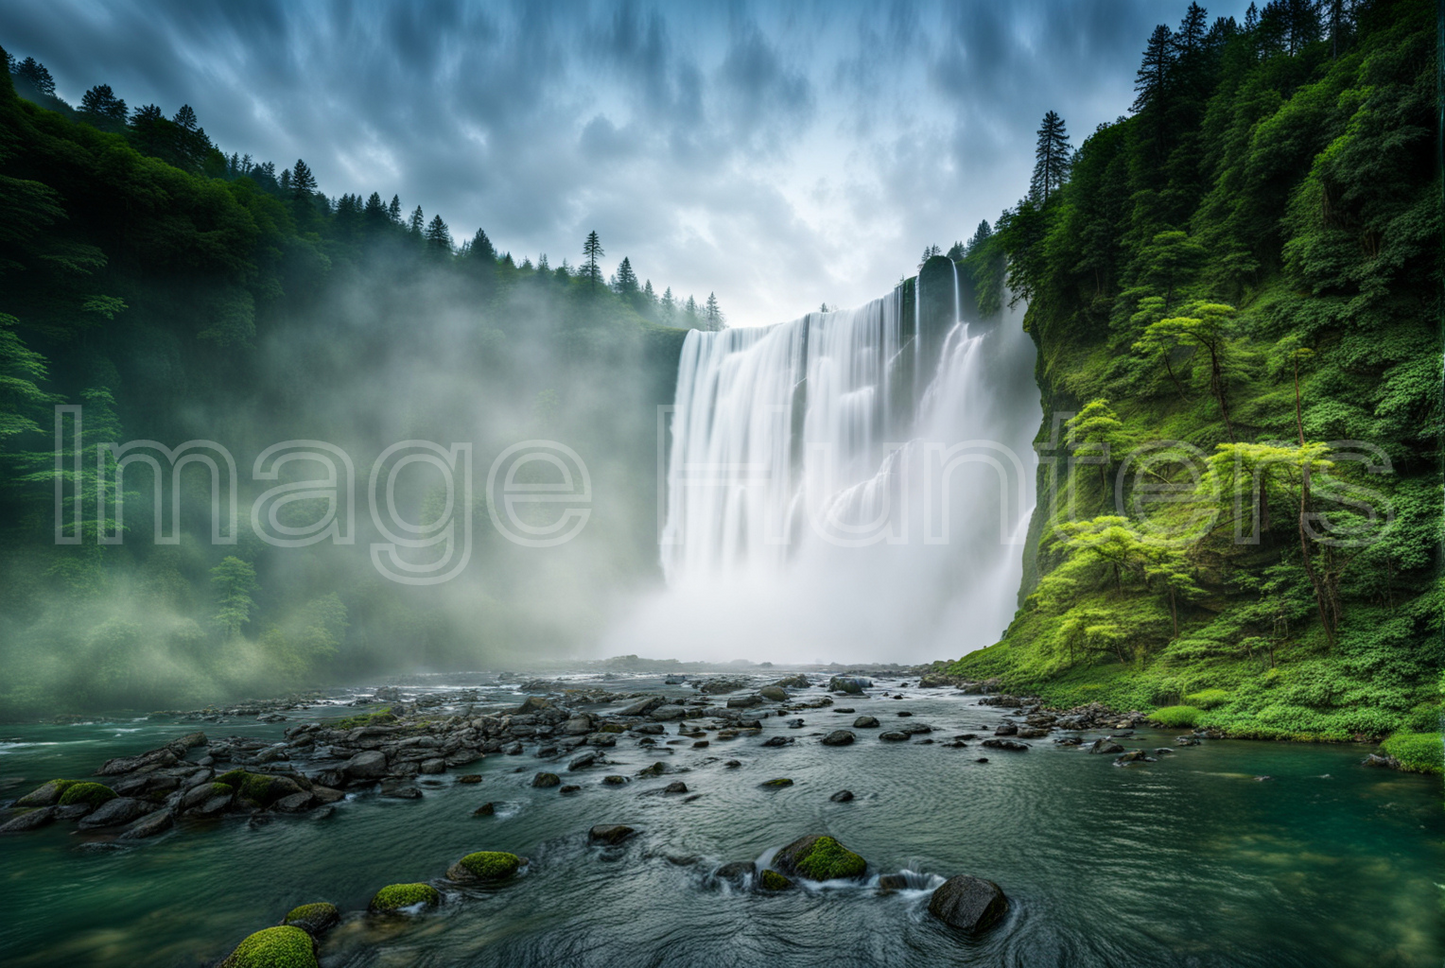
x,y
545,780
820,858
395,897
314,919
485,865
262,789
382,717
46,795
90,794
283,947
770,880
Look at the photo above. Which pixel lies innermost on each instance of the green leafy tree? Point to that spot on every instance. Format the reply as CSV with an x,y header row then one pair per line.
x,y
1209,327
234,582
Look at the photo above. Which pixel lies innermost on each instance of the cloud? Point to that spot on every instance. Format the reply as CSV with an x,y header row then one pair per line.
x,y
779,155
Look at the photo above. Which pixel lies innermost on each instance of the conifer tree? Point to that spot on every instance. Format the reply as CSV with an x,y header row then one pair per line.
x,y
626,282
186,118
303,183
418,221
481,248
393,211
1153,77
438,236
1053,156
592,249
101,103
33,71
713,314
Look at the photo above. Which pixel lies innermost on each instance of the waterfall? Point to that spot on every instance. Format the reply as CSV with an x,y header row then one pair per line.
x,y
839,486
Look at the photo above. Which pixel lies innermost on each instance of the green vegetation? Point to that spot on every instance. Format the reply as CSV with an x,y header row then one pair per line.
x,y
382,717
1176,717
771,880
394,897
1236,295
46,794
1417,752
827,860
178,293
314,919
490,865
91,794
283,947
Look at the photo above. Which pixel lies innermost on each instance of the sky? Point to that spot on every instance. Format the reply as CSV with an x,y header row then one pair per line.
x,y
781,155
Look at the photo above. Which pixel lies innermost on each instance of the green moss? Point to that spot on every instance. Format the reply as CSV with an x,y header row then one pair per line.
x,y
490,865
313,918
394,897
770,880
283,947
1176,717
1417,752
46,793
1208,698
382,717
93,794
233,779
827,860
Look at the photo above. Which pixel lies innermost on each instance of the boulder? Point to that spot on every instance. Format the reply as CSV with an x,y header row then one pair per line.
x,y
149,826
839,737
819,858
772,694
642,707
893,736
968,903
114,813
314,919
745,702
677,786
484,866
294,803
485,810
532,704
667,714
842,796
545,780
853,685
404,899
45,795
1005,744
770,880
366,765
865,722
286,945
29,820
1104,746
736,872
776,784
610,834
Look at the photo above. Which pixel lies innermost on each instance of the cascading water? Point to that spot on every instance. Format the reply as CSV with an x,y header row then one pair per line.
x,y
847,486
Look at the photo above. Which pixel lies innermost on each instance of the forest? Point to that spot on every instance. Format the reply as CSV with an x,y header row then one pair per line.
x,y
174,292
1236,295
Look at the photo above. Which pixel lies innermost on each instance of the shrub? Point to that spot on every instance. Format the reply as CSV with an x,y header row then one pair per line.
x,y
1176,717
1208,698
1417,752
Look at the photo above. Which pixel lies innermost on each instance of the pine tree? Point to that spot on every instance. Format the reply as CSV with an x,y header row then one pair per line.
x,y
393,211
626,280
186,118
418,221
713,314
649,296
980,235
669,305
928,253
303,183
33,71
1190,38
592,249
542,265
101,103
374,214
481,248
148,114
438,236
1053,157
690,313
1154,74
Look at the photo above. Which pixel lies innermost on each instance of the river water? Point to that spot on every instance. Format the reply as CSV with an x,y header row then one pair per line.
x,y
1188,861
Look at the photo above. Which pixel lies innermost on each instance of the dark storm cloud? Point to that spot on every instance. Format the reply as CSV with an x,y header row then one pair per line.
x,y
779,155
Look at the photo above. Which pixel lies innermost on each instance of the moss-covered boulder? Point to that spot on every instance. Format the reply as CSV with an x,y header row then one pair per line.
x,y
314,919
396,898
770,880
45,795
484,866
819,858
544,780
89,794
260,789
283,947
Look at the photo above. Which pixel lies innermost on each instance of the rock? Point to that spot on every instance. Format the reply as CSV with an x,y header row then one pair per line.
x,y
314,919
114,813
968,903
1164,751
610,834
485,810
1133,756
701,744
1384,761
214,805
776,784
840,709
905,713
295,803
470,778
842,796
484,866
1187,741
325,794
888,883
717,686
1032,732
854,685
30,820
676,786
773,694
544,780
839,737
46,795
736,872
893,736
89,794
322,812
775,741
569,789
532,704
668,714
402,791
366,765
602,739
770,880
149,826
865,722
582,761
1005,744
819,858
981,759
733,764
1104,746
431,767
404,899
1007,729
614,779
656,769
1068,741
272,947
745,702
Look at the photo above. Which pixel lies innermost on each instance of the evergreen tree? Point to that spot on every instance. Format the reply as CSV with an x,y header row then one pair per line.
x,y
689,312
33,71
592,249
1053,156
101,104
438,236
928,253
148,114
234,582
373,216
713,314
303,183
1189,41
418,221
625,284
481,248
649,296
669,305
980,235
186,118
1152,80
393,211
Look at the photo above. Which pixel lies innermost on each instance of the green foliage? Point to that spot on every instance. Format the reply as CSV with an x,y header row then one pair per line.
x,y
1417,752
234,581
312,918
382,717
490,865
1242,273
1176,717
281,947
394,897
91,794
